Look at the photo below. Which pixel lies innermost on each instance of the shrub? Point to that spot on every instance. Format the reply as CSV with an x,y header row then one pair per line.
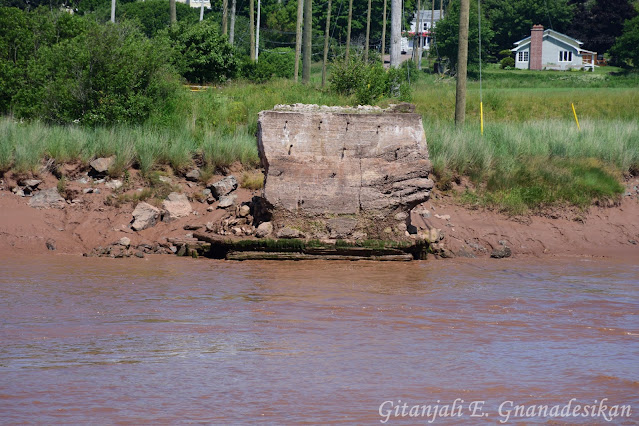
x,y
506,53
507,62
278,62
110,74
369,82
202,54
252,71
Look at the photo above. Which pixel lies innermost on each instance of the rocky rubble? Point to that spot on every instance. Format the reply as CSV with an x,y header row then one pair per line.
x,y
47,198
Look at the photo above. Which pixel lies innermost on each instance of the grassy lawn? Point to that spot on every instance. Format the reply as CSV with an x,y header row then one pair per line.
x,y
530,156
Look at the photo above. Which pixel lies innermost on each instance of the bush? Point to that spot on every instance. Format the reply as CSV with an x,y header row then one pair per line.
x,y
110,74
202,54
506,53
369,82
507,62
278,62
22,35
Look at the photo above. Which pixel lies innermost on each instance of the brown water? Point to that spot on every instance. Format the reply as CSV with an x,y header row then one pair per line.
x,y
169,340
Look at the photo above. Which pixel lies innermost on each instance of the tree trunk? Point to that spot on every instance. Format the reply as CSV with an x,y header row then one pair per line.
x,y
172,12
462,63
384,33
252,29
201,10
113,11
257,37
232,25
306,41
225,13
396,32
298,37
326,36
348,29
368,31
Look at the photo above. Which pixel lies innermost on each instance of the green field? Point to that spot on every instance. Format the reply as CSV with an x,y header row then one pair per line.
x,y
531,154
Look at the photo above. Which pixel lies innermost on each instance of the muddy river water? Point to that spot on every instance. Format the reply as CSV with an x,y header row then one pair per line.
x,y
167,340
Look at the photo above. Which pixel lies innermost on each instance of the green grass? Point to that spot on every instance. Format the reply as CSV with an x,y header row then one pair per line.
x,y
527,166
25,145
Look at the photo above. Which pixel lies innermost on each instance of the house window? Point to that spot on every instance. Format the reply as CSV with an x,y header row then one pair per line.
x,y
565,56
523,57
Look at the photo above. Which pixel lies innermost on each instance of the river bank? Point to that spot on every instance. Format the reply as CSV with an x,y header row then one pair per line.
x,y
98,215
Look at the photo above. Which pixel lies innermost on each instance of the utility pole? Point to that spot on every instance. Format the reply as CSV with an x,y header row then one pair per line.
x,y
430,33
225,12
252,29
306,41
348,29
384,33
257,38
172,12
113,11
396,32
326,32
368,31
298,37
232,26
462,64
417,43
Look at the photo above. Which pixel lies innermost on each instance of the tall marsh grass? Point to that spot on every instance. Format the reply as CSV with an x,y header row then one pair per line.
x,y
23,146
517,167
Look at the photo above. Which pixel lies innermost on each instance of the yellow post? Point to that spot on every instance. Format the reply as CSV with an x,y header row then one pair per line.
x,y
575,113
481,114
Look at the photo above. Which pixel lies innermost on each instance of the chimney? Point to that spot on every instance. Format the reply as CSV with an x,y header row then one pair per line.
x,y
536,43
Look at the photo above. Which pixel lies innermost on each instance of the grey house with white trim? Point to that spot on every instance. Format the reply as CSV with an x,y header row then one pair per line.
x,y
551,50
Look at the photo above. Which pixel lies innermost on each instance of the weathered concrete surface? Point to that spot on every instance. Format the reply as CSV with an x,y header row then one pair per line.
x,y
338,162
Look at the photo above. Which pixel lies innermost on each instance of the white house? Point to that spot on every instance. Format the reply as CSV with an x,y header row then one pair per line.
x,y
548,49
423,34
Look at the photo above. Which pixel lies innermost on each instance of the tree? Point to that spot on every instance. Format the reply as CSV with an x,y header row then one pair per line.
x,y
232,25
298,37
512,20
326,37
173,12
109,74
348,29
368,31
203,55
152,17
448,35
598,23
307,41
625,49
22,35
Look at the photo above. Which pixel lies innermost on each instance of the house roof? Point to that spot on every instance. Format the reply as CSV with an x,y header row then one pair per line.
x,y
425,15
554,34
557,36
